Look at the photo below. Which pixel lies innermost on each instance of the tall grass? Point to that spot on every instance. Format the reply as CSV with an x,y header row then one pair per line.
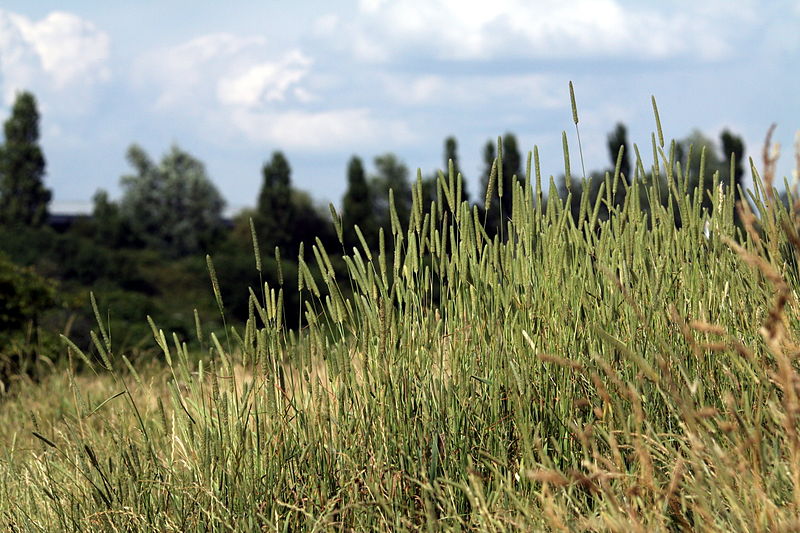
x,y
576,374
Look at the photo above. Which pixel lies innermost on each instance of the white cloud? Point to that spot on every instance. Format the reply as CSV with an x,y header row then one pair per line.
x,y
266,81
370,6
223,69
59,51
421,90
319,130
325,24
213,45
239,86
536,91
476,29
186,73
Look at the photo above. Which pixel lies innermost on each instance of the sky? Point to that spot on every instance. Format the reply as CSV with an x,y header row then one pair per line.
x,y
231,82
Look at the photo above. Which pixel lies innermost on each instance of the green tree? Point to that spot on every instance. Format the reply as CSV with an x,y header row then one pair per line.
x,y
357,205
275,210
489,156
108,227
695,143
311,221
23,197
172,206
451,154
591,188
391,173
24,297
512,169
512,160
733,146
618,139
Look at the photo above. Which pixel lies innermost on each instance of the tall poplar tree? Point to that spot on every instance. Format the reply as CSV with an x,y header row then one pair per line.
x,y
619,139
276,215
357,205
733,145
23,196
391,173
512,161
451,154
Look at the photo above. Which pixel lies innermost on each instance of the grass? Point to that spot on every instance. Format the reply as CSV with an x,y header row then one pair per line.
x,y
576,374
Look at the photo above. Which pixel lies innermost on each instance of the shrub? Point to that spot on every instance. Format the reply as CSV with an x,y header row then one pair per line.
x,y
24,297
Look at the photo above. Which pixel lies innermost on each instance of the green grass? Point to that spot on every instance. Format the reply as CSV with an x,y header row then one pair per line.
x,y
575,374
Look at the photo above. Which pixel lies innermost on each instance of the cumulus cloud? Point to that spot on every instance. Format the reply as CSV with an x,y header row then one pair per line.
x,y
326,24
539,91
318,130
266,81
223,69
241,86
479,30
184,74
57,52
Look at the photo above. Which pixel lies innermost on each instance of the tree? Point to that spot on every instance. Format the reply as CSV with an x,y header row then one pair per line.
x,y
489,156
451,154
512,169
391,173
618,139
512,161
107,226
172,206
733,146
24,297
357,205
695,143
312,222
23,197
275,210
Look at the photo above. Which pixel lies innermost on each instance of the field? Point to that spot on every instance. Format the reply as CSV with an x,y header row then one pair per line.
x,y
610,371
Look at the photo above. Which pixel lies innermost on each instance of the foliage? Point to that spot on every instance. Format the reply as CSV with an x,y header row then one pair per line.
x,y
390,174
694,162
733,148
70,258
23,197
313,222
357,206
275,211
24,298
451,154
172,206
107,225
507,174
24,295
618,147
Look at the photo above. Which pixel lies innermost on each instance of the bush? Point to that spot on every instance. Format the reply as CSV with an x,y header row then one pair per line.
x,y
24,297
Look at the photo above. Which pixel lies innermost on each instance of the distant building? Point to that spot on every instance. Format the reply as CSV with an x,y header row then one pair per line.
x,y
61,222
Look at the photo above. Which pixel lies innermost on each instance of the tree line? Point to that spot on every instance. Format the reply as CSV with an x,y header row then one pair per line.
x,y
171,208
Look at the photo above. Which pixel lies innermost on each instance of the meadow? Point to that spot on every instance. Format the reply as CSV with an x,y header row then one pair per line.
x,y
610,371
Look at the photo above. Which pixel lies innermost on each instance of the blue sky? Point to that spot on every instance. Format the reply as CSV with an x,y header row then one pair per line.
x,y
323,80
